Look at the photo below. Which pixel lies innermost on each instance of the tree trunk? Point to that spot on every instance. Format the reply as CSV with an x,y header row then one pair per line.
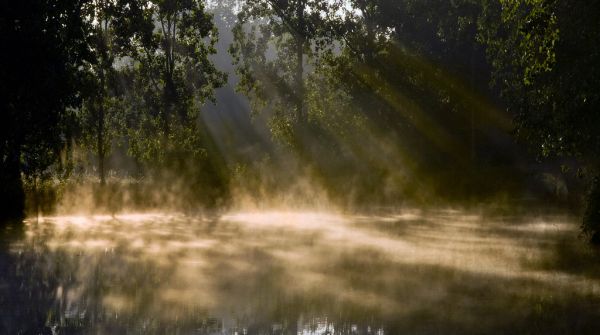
x,y
101,111
12,195
473,152
101,115
169,100
300,42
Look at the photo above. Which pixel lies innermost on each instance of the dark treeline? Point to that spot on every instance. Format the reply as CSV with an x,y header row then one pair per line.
x,y
370,102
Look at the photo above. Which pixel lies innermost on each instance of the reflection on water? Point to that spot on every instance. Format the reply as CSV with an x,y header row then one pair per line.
x,y
434,272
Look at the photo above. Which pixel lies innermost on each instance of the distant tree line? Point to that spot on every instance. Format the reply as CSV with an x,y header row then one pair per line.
x,y
437,77
339,81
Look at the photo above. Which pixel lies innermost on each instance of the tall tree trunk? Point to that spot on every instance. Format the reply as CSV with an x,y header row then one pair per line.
x,y
69,155
370,25
169,100
101,115
169,90
300,42
36,196
12,195
101,111
473,152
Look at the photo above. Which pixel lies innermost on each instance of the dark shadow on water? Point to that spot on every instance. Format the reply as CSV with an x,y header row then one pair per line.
x,y
573,256
26,293
444,300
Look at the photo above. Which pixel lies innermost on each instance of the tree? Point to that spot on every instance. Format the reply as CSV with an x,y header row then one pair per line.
x,y
100,114
173,76
45,43
416,71
547,64
274,40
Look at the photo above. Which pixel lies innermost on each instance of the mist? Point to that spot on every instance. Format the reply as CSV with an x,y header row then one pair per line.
x,y
299,167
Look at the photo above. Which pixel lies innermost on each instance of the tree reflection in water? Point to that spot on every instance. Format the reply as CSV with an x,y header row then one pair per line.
x,y
297,273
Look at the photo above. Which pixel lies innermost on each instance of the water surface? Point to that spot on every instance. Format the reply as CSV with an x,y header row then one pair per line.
x,y
278,272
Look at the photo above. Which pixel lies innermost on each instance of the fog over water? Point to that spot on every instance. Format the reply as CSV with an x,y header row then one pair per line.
x,y
298,272
295,167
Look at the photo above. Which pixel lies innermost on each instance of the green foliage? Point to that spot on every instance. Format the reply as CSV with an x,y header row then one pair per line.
x,y
375,92
544,55
273,42
99,117
378,72
141,69
546,58
414,70
112,125
171,74
44,44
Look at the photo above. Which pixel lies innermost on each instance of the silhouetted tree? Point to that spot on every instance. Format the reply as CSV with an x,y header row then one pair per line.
x,y
44,44
546,60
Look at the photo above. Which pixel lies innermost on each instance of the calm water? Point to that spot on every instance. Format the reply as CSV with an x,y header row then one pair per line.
x,y
413,272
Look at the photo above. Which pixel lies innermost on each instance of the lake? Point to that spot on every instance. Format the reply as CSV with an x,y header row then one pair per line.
x,y
299,272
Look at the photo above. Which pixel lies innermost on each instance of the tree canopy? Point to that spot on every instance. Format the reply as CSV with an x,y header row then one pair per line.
x,y
376,101
45,43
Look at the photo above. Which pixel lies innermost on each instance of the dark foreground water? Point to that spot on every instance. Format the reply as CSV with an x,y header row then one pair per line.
x,y
414,272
